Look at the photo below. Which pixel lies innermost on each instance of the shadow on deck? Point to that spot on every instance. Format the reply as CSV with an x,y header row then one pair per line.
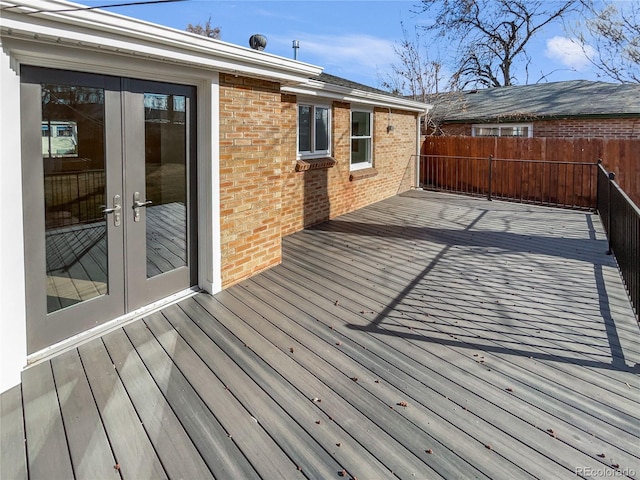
x,y
426,336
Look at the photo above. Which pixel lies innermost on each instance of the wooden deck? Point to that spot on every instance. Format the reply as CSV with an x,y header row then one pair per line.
x,y
427,336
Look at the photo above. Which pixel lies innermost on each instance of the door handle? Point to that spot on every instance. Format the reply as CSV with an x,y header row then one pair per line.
x,y
137,204
116,209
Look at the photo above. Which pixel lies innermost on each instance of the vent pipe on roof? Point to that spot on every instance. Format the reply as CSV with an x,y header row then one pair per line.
x,y
296,46
258,42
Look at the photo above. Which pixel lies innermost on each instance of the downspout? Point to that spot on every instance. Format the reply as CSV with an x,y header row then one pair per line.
x,y
418,147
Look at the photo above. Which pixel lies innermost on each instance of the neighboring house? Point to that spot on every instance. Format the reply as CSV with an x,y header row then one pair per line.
x,y
577,108
177,163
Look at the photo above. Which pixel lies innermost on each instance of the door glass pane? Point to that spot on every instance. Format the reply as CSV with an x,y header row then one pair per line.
x,y
166,182
73,146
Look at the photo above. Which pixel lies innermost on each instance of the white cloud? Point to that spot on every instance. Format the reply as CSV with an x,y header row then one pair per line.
x,y
568,52
346,53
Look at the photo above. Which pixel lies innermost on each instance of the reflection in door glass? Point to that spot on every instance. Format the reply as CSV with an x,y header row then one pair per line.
x,y
74,190
166,182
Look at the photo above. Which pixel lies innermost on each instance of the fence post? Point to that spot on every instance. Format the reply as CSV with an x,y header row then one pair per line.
x,y
611,176
490,178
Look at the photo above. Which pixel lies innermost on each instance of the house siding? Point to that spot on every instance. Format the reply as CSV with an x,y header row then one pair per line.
x,y
568,128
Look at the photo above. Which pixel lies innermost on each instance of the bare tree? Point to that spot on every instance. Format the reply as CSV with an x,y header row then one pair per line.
x,y
205,30
414,74
611,40
491,35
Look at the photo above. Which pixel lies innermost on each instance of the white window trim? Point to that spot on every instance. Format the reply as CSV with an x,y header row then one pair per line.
x,y
369,110
313,153
500,126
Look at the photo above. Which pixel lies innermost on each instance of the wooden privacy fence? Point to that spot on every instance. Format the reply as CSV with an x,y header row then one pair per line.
x,y
563,184
620,156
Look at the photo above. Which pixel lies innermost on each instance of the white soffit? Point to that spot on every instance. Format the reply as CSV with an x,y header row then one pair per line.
x,y
45,21
318,89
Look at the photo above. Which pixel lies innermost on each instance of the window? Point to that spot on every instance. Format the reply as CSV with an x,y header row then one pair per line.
x,y
65,131
361,139
502,130
313,130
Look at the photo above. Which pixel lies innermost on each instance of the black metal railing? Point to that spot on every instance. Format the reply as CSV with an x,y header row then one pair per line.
x,y
621,220
552,183
73,198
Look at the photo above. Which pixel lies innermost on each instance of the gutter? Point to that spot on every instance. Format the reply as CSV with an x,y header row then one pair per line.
x,y
419,147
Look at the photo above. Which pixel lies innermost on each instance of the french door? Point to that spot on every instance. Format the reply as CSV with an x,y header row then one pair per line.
x,y
109,198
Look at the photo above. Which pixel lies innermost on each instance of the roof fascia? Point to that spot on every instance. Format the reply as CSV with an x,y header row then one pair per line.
x,y
316,89
106,31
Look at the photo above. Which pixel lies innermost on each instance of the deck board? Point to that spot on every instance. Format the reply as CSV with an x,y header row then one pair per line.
x,y
89,446
218,449
172,444
397,458
450,409
596,409
133,451
465,452
461,327
434,308
47,450
500,325
302,410
13,456
276,417
266,458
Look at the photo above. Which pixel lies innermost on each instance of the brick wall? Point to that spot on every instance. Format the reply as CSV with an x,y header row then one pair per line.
x,y
314,196
457,129
570,128
250,169
597,128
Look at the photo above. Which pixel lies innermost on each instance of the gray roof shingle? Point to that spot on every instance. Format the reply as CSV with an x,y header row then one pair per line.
x,y
573,98
343,82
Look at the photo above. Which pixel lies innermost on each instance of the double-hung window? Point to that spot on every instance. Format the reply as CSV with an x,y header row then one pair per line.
x,y
361,139
314,127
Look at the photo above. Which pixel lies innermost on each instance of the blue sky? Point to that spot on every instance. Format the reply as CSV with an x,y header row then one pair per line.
x,y
351,39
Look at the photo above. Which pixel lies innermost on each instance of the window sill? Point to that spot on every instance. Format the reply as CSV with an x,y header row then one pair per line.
x,y
362,174
302,165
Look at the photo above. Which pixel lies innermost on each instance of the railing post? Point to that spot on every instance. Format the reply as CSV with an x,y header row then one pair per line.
x,y
611,176
490,178
598,192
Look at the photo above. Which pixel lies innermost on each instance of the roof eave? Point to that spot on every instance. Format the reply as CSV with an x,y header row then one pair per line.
x,y
314,88
106,31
